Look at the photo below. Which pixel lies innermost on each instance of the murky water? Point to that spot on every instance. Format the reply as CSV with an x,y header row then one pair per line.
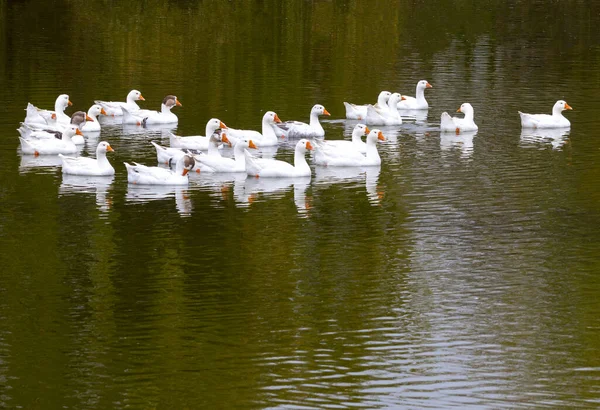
x,y
463,272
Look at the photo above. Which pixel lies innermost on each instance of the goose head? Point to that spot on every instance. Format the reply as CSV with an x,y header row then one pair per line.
x,y
360,130
375,135
271,117
95,110
423,84
171,101
560,106
135,95
185,164
62,102
318,109
80,117
383,97
467,109
303,145
214,124
246,143
103,147
394,99
70,131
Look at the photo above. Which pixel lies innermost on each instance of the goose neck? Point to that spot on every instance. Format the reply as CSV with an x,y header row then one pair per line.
x,y
314,122
372,152
300,161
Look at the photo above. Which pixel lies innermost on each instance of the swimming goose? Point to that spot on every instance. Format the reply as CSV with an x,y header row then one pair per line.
x,y
114,108
297,129
39,116
359,112
371,158
144,175
51,146
266,139
556,120
416,103
197,141
98,166
457,125
381,117
272,168
216,164
356,148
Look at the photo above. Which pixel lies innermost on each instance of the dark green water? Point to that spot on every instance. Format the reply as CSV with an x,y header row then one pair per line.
x,y
463,273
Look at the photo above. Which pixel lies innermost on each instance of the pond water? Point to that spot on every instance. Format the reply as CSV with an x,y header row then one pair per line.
x,y
463,272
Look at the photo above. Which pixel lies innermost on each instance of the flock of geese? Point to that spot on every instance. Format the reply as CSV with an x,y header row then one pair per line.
x,y
52,132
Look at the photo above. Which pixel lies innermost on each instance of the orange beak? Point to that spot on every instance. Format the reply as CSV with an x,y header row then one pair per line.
x,y
251,144
225,139
88,118
568,107
185,171
109,148
428,85
102,111
458,110
77,132
402,98
380,136
367,130
309,146
177,103
277,118
69,103
142,98
325,112
222,125
53,116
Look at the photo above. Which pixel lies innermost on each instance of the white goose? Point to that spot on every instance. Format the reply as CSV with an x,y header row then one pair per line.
x,y
167,156
51,146
215,164
355,148
98,166
359,112
114,108
272,168
197,141
381,117
38,116
458,125
556,120
94,125
144,175
55,130
150,117
372,157
297,129
416,103
268,138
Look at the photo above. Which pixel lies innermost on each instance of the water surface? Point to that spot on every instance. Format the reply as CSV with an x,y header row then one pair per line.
x,y
461,273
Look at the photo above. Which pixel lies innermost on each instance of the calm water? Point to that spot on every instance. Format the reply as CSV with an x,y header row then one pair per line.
x,y
462,273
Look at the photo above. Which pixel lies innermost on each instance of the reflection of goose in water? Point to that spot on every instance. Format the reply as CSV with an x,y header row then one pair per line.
x,y
43,163
374,193
147,193
556,137
356,175
272,188
80,184
462,141
218,185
